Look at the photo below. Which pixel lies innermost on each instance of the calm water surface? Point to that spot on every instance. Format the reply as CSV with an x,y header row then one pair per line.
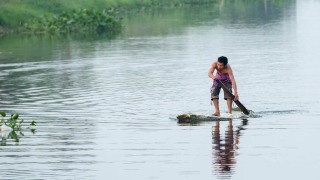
x,y
106,107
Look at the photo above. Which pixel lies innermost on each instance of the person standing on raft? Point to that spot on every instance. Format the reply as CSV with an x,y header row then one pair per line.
x,y
225,75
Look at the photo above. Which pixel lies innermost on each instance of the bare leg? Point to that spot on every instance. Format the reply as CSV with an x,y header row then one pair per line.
x,y
229,104
216,106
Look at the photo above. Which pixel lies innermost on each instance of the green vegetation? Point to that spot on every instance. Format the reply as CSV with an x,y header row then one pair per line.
x,y
67,16
84,20
58,16
12,127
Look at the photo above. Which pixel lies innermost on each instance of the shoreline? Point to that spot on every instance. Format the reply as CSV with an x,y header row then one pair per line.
x,y
18,16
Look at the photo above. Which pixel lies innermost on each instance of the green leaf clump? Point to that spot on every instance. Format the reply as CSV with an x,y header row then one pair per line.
x,y
13,122
83,20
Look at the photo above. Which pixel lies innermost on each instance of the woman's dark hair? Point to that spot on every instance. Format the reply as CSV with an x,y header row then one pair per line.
x,y
223,60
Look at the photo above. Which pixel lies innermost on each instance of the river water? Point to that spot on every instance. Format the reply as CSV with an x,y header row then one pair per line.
x,y
106,107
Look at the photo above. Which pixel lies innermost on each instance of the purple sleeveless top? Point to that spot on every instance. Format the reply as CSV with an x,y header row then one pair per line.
x,y
222,78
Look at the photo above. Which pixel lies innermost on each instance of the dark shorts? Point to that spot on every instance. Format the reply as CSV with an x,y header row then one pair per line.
x,y
215,91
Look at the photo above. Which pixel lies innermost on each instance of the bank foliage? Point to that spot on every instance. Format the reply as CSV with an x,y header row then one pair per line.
x,y
81,15
72,15
83,20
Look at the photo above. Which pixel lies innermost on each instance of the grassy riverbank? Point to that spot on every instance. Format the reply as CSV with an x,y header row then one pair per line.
x,y
16,14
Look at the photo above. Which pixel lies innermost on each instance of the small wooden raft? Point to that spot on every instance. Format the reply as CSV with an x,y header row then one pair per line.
x,y
190,117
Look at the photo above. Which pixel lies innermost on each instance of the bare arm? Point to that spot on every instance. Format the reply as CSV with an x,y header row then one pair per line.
x,y
234,84
211,70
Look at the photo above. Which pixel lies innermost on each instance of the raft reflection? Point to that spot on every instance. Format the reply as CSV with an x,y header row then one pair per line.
x,y
224,149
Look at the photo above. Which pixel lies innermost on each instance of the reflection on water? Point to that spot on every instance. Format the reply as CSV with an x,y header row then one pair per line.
x,y
224,148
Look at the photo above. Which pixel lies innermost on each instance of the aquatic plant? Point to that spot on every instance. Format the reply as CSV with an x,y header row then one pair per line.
x,y
14,14
12,127
84,20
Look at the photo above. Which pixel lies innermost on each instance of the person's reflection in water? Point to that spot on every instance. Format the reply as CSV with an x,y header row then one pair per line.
x,y
224,151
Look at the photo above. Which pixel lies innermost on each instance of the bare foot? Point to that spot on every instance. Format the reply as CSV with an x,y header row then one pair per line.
x,y
216,114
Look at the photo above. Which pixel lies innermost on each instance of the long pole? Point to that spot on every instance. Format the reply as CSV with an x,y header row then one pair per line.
x,y
238,103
